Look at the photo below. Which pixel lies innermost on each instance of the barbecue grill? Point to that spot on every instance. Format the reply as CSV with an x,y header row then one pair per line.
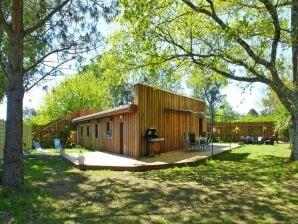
x,y
151,138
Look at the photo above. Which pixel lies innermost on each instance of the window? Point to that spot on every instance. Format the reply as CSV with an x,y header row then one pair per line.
x,y
109,134
88,130
96,131
81,131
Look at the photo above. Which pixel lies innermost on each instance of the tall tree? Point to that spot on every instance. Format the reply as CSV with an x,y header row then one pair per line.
x,y
37,38
207,86
123,61
112,72
248,41
226,112
82,91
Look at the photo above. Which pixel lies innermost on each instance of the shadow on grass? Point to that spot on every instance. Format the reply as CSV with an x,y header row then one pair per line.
x,y
28,203
228,156
230,189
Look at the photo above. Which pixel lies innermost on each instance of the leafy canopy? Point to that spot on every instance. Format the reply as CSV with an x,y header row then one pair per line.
x,y
242,40
55,33
83,91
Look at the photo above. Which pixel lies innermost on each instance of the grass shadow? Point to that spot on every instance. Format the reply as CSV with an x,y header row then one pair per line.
x,y
231,156
235,187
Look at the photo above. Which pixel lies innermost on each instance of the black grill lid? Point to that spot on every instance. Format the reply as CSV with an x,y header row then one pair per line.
x,y
150,132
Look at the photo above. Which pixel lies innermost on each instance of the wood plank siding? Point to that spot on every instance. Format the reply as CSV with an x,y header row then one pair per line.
x,y
110,143
170,113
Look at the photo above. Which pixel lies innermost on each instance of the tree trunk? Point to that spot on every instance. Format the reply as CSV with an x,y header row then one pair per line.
x,y
13,173
13,165
294,25
294,121
294,134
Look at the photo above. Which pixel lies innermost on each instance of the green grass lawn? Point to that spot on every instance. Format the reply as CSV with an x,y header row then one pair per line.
x,y
251,184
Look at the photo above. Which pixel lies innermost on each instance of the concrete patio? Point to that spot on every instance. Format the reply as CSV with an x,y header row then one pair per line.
x,y
104,160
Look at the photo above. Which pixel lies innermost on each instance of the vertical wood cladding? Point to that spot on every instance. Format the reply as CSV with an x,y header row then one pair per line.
x,y
111,144
170,113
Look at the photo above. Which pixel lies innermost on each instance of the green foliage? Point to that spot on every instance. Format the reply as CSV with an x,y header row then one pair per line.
x,y
126,61
116,77
83,91
206,85
275,109
171,30
250,118
36,39
225,112
229,38
51,40
242,40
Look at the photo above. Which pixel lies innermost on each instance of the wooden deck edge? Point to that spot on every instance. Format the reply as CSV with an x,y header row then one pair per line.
x,y
142,168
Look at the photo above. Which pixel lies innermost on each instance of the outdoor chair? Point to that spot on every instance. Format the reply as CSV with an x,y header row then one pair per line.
x,y
57,145
192,140
269,141
248,139
254,140
205,142
37,147
189,139
203,134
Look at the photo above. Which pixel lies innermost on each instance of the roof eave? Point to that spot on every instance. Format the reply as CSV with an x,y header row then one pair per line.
x,y
119,110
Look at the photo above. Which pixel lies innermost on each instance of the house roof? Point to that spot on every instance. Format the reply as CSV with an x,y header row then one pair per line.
x,y
118,110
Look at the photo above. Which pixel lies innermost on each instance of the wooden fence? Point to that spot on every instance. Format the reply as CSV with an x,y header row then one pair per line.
x,y
27,137
62,128
232,131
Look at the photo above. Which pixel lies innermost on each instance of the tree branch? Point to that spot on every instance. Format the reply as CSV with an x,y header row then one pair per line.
x,y
277,30
212,14
193,55
235,61
230,75
3,23
47,74
46,18
34,65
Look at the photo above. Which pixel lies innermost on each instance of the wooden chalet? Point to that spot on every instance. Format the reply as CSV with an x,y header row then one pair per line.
x,y
121,130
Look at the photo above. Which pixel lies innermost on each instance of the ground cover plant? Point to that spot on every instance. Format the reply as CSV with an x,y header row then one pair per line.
x,y
251,184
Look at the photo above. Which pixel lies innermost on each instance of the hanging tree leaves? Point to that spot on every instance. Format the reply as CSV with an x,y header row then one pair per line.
x,y
247,41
